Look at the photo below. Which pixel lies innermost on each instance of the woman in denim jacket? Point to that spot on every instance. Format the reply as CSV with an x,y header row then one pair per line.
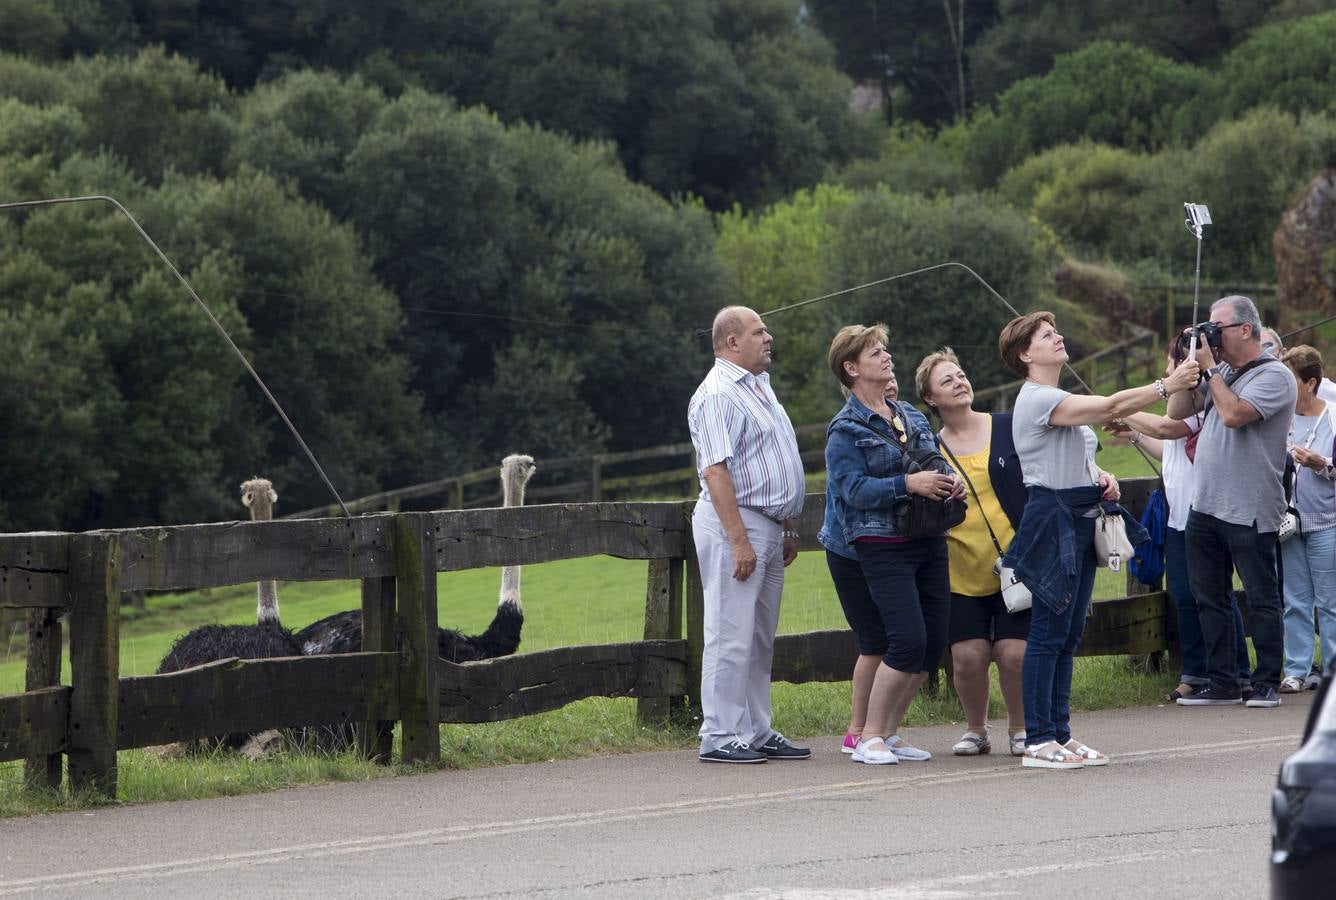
x,y
851,589
1053,552
902,613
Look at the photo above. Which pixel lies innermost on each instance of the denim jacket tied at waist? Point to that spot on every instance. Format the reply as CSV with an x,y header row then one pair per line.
x,y
1045,551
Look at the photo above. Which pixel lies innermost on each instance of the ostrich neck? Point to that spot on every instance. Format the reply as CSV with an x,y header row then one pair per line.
x,y
510,584
512,494
266,607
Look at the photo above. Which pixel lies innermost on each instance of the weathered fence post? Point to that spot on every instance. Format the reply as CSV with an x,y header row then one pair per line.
x,y
415,587
95,609
43,671
663,621
375,738
595,478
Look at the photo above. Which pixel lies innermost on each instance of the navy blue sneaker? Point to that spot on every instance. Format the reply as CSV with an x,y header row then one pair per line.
x,y
1211,696
734,752
778,747
1264,697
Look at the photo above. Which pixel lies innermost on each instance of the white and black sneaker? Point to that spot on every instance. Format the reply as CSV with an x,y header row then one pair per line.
x,y
1211,696
1264,697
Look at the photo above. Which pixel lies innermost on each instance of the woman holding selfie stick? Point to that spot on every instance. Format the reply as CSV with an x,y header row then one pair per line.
x,y
1053,552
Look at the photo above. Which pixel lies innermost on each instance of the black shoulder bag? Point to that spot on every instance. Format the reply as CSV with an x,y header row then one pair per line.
x,y
920,516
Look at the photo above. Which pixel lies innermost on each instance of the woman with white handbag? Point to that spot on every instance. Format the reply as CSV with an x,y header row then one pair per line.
x,y
1055,549
1308,556
987,625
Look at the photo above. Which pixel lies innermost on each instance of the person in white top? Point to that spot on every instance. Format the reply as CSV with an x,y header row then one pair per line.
x,y
1309,555
752,489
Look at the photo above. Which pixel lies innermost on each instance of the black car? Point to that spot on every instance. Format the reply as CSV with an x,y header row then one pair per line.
x,y
1303,807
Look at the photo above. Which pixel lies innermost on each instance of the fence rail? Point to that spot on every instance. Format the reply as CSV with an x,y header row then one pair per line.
x,y
396,557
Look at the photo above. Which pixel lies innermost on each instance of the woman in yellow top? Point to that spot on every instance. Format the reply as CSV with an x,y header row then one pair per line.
x,y
981,630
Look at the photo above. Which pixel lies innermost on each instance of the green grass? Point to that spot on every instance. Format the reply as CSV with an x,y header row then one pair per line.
x,y
582,601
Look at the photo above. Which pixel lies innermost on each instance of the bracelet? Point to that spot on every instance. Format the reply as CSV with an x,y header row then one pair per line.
x,y
790,535
1135,439
1161,390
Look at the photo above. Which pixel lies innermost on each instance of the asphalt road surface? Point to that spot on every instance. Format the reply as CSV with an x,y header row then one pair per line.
x,y
1181,811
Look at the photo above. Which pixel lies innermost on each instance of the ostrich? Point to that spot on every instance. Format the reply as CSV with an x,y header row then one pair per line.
x,y
264,640
342,632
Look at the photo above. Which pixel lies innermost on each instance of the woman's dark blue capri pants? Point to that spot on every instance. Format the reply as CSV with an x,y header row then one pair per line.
x,y
901,609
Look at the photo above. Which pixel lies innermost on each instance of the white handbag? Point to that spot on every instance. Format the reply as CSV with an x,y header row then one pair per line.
x,y
1015,595
1289,526
1112,545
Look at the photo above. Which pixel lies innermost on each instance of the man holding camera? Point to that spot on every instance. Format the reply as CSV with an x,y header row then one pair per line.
x,y
1238,501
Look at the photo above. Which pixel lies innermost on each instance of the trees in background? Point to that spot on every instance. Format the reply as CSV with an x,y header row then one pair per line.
x,y
730,100
422,286
482,227
837,237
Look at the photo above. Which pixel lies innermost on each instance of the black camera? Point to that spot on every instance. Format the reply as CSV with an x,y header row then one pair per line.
x,y
1205,331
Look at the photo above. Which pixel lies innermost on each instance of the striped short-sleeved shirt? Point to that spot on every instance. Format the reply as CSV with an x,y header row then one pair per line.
x,y
735,418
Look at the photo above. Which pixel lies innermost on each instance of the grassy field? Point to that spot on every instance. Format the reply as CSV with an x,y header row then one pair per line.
x,y
583,601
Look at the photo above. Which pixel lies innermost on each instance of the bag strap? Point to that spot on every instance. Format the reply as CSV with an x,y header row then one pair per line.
x,y
961,469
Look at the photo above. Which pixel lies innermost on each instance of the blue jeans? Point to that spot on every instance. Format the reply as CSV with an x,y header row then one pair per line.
x,y
1310,583
1190,641
1046,673
1212,544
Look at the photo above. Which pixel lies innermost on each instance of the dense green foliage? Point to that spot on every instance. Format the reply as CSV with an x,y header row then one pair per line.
x,y
445,232
732,100
836,236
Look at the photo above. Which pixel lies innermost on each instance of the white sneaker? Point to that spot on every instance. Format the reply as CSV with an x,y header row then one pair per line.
x,y
881,756
906,752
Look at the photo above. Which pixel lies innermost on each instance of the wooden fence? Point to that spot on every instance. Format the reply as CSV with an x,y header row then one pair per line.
x,y
396,558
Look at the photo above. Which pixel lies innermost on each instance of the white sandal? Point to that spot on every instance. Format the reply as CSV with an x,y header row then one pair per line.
x,y
1089,755
1017,742
972,743
1038,756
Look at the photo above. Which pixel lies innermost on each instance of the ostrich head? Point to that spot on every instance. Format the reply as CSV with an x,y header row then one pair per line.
x,y
258,495
516,470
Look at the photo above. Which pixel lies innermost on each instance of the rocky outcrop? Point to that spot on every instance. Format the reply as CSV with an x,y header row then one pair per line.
x,y
1305,248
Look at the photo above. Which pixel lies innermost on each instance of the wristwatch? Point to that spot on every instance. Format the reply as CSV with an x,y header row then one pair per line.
x,y
1208,374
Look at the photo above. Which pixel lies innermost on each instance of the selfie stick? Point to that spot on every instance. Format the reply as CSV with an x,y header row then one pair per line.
x,y
1198,217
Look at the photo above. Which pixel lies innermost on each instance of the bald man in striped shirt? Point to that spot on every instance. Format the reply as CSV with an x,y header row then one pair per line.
x,y
752,489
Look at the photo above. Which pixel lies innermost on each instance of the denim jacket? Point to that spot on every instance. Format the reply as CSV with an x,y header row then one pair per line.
x,y
1049,525
865,474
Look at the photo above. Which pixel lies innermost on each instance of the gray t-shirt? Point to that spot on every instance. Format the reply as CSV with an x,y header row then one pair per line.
x,y
1239,470
1054,456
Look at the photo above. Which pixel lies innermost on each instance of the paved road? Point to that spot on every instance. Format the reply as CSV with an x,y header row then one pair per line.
x,y
1183,810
